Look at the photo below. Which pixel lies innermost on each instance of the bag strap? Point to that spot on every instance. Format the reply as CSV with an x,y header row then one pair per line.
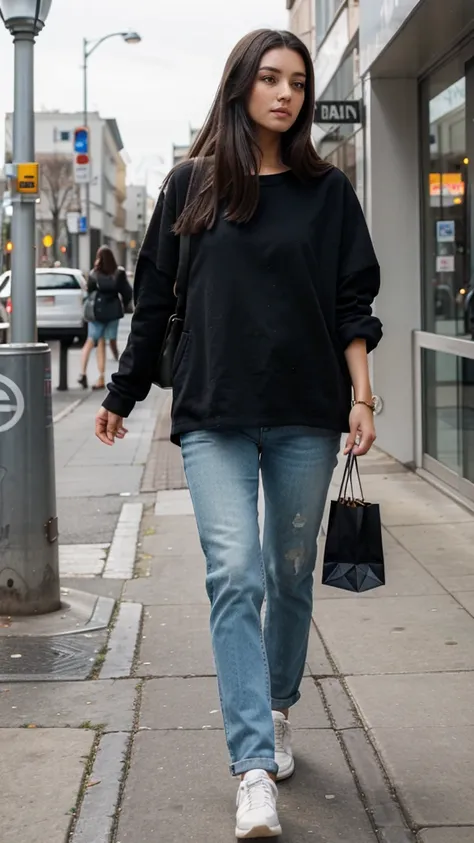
x,y
182,274
347,480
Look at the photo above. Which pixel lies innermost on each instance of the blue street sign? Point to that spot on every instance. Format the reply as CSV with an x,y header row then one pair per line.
x,y
81,140
82,225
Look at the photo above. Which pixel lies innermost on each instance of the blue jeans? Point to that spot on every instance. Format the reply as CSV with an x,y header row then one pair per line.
x,y
259,670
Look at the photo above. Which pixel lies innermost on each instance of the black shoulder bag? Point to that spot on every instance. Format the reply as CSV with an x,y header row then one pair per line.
x,y
163,375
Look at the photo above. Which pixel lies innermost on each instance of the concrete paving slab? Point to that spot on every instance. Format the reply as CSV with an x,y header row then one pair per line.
x,y
121,557
172,580
176,791
94,585
194,704
405,501
174,502
97,813
176,642
91,519
415,700
172,543
317,660
398,634
171,525
122,642
61,704
339,704
429,538
86,560
447,835
432,770
113,479
45,769
466,600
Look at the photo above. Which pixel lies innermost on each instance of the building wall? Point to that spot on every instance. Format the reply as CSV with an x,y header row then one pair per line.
x,y
393,215
302,22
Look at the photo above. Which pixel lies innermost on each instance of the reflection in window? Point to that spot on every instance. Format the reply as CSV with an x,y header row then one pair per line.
x,y
447,271
449,411
325,14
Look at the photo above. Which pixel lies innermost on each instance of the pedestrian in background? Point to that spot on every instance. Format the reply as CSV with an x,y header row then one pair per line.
x,y
108,280
278,325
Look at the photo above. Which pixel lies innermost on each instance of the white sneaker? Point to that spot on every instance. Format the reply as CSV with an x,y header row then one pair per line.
x,y
256,806
283,749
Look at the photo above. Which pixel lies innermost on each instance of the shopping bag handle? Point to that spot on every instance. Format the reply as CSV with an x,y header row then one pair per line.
x,y
347,480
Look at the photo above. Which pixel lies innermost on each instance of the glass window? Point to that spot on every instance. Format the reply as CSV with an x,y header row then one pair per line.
x,y
449,411
447,273
325,13
65,136
56,281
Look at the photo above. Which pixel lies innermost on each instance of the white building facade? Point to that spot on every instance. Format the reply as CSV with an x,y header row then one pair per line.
x,y
136,210
54,142
411,159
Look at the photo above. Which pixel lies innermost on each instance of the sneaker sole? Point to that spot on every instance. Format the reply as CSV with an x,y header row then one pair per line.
x,y
258,831
287,773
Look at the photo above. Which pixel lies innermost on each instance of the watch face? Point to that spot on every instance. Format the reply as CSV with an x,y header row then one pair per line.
x,y
378,405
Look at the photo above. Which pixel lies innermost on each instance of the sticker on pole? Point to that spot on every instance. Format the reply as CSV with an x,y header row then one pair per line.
x,y
12,404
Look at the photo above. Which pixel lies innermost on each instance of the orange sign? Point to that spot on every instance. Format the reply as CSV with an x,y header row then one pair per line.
x,y
446,184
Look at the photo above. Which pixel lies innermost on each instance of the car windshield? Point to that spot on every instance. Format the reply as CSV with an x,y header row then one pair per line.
x,y
56,281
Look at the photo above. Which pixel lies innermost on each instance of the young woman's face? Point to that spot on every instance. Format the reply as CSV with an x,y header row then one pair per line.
x,y
278,93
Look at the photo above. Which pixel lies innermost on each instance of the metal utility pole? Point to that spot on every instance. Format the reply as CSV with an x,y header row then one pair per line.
x,y
88,47
29,569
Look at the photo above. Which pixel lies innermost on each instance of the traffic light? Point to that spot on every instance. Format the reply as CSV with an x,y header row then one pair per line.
x,y
9,247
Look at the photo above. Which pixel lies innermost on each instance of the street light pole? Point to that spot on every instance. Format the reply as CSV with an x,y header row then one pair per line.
x,y
88,47
29,565
23,321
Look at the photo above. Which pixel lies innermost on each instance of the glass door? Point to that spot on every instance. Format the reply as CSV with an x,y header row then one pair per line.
x,y
447,367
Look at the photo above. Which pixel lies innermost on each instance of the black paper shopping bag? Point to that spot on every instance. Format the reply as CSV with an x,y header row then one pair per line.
x,y
353,557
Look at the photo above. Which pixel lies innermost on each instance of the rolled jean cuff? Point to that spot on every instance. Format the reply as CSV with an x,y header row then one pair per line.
x,y
277,705
268,764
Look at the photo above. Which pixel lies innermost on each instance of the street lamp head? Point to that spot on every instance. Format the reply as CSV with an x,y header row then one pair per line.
x,y
24,15
131,37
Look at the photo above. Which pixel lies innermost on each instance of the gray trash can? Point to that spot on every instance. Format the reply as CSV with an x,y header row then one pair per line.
x,y
29,566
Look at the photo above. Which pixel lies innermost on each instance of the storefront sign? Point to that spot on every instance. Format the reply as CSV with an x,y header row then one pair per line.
x,y
337,111
445,231
445,263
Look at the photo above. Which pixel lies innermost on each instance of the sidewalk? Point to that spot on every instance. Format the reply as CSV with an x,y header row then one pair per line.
x,y
384,733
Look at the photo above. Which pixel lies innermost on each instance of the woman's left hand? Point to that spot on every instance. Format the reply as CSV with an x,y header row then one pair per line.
x,y
362,431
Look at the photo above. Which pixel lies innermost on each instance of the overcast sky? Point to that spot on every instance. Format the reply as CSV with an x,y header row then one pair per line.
x,y
154,89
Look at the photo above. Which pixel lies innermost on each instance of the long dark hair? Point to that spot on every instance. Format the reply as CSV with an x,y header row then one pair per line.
x,y
105,261
226,153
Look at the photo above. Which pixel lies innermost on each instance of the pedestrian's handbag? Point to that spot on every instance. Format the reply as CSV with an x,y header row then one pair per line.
x,y
163,375
89,307
353,557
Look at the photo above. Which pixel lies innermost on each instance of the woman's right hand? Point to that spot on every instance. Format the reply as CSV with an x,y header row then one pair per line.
x,y
109,427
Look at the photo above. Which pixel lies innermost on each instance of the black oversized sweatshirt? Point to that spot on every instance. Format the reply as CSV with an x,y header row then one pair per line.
x,y
271,306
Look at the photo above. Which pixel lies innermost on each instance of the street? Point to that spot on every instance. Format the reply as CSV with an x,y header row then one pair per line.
x,y
384,733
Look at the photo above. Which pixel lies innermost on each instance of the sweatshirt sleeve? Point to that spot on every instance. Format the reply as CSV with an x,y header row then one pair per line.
x,y
359,277
154,304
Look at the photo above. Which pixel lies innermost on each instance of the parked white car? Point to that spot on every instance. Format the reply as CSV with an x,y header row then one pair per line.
x,y
4,325
60,294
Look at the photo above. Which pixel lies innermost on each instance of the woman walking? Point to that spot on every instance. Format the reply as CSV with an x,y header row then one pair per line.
x,y
109,281
278,324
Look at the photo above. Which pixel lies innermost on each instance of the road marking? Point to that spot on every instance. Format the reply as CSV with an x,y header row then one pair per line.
x,y
14,403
